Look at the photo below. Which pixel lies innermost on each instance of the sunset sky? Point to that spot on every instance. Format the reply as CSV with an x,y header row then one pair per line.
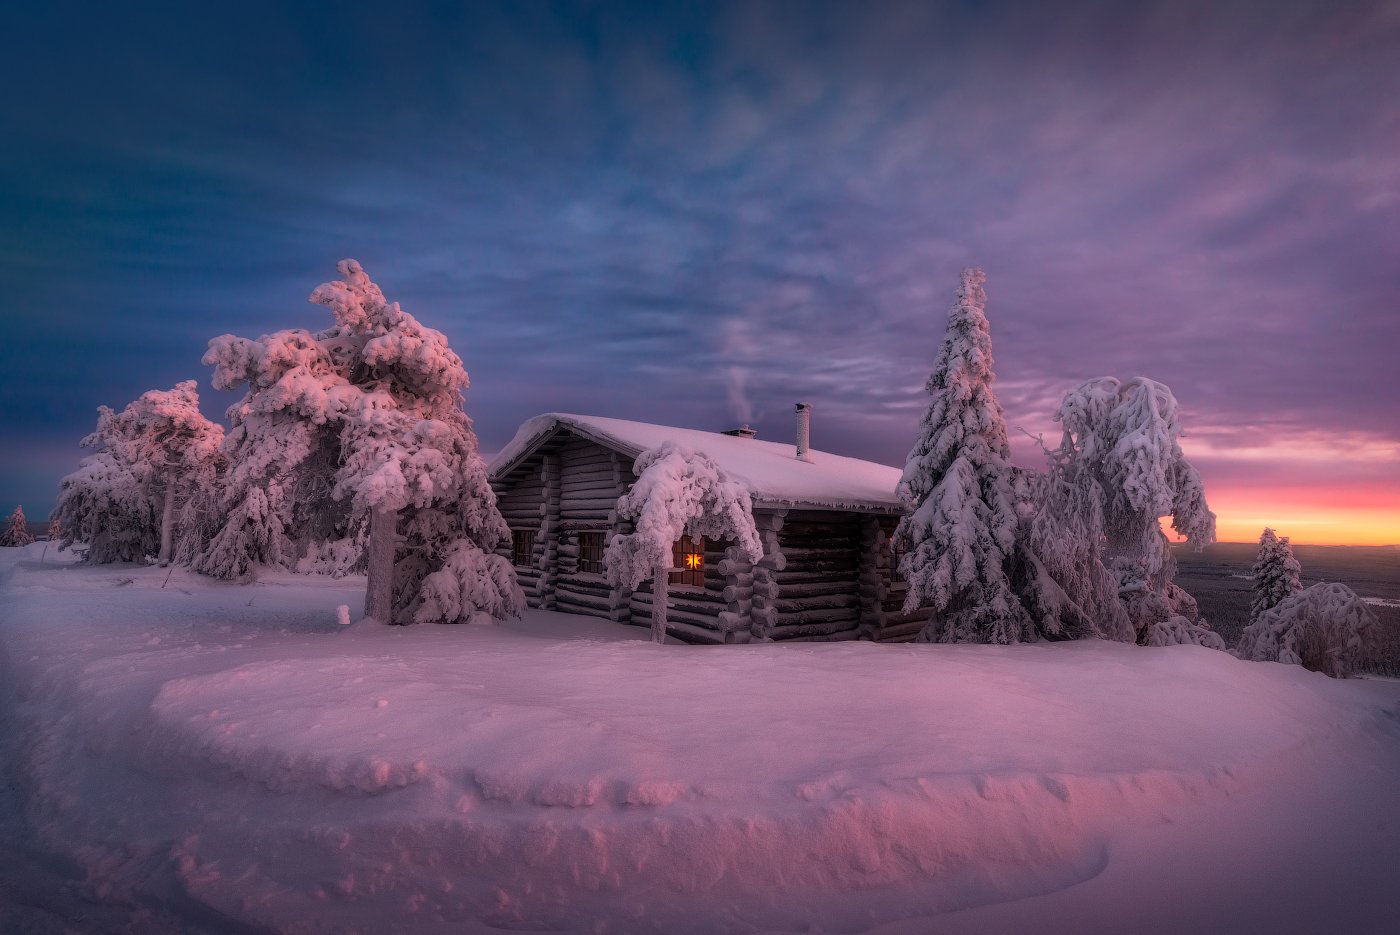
x,y
700,213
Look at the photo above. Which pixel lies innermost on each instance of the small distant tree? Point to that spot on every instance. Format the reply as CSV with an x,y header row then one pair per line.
x,y
1277,574
54,534
363,418
678,492
1122,469
960,529
1325,628
16,530
157,454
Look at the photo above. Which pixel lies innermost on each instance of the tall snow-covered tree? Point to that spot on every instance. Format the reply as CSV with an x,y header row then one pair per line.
x,y
1063,580
157,456
1325,628
16,530
1125,470
364,417
1277,574
678,492
960,531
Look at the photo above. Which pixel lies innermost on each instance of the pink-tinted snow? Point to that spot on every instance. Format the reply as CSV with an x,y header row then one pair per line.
x,y
234,755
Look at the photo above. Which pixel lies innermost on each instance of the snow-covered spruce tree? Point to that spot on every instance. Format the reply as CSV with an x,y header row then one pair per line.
x,y
364,417
1125,471
1325,628
55,534
1061,576
103,504
16,530
1277,574
678,492
960,531
169,444
131,500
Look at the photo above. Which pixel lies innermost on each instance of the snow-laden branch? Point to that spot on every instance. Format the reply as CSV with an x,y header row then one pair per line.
x,y
678,492
374,403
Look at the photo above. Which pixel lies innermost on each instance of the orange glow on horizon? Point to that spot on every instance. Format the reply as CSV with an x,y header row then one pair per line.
x,y
1343,488
1307,515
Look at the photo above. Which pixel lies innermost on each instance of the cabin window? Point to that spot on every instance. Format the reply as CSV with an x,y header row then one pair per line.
x,y
896,551
688,556
522,542
590,552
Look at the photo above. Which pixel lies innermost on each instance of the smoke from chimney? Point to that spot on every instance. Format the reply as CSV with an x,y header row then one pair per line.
x,y
804,432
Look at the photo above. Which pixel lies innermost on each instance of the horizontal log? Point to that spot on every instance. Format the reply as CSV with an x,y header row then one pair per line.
x,y
576,481
583,599
824,538
800,574
736,593
578,463
687,633
587,503
566,606
775,561
705,621
802,617
708,608
729,621
586,582
599,487
844,636
900,634
794,631
792,590
816,551
819,602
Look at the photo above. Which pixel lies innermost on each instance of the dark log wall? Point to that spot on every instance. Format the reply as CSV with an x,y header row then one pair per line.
x,y
591,479
896,626
528,499
824,575
818,586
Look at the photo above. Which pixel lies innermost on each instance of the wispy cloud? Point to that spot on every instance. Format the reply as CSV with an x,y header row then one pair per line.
x,y
702,214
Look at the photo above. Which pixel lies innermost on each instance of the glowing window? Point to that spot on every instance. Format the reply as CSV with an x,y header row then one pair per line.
x,y
688,555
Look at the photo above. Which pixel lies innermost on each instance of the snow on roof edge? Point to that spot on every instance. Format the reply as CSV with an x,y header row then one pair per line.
x,y
769,469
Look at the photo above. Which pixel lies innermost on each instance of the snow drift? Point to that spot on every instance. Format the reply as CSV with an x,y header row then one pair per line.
x,y
240,751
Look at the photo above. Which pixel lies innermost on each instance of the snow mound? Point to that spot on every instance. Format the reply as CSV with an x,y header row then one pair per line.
x,y
237,750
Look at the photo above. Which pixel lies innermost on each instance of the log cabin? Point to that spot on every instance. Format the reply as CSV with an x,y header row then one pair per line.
x,y
828,571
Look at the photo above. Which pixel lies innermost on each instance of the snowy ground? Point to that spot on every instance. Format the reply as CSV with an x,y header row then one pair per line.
x,y
203,757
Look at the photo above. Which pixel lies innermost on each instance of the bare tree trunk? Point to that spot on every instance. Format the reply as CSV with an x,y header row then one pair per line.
x,y
383,542
659,599
167,526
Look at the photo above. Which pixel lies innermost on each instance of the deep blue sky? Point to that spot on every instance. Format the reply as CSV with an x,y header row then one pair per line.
x,y
689,213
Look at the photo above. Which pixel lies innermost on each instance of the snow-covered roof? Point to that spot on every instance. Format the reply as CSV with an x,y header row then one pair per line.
x,y
770,470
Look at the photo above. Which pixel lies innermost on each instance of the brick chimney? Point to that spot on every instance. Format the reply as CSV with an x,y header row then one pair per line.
x,y
804,432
